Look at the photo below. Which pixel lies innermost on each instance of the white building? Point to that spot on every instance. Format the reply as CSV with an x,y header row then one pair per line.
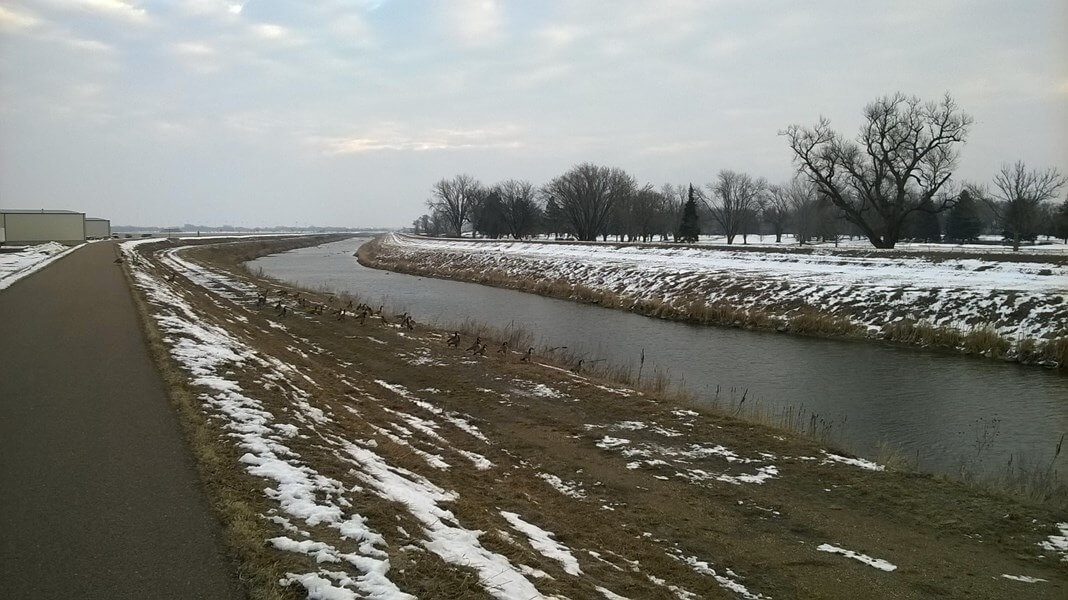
x,y
97,229
38,226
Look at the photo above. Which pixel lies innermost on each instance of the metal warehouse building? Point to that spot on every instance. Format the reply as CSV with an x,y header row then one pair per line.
x,y
97,229
37,226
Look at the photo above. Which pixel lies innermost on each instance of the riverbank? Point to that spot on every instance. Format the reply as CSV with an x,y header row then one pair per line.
x,y
357,459
996,308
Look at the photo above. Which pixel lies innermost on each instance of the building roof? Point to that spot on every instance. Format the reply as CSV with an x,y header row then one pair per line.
x,y
39,212
97,219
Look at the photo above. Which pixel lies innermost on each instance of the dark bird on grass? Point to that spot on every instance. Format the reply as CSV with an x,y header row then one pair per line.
x,y
480,350
349,305
278,305
578,367
503,349
362,317
454,339
478,342
283,312
409,323
340,314
528,356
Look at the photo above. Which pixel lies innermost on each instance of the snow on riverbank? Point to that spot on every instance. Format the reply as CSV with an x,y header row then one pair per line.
x,y
1018,299
16,265
211,355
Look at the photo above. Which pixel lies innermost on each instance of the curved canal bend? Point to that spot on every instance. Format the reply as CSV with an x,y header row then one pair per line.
x,y
948,411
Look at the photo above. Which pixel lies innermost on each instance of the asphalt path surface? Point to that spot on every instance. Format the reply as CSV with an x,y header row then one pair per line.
x,y
99,497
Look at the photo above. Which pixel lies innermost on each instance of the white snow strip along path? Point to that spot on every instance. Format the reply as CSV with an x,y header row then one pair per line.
x,y
444,535
207,352
543,542
1023,578
878,563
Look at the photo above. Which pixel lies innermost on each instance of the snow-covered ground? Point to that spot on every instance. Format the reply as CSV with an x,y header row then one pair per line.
x,y
987,244
1018,299
323,460
16,265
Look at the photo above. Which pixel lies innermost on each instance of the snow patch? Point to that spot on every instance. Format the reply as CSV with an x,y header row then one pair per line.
x,y
542,541
877,563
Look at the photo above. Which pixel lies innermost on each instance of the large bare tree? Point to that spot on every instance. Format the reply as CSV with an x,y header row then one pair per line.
x,y
734,201
587,196
521,210
455,199
903,156
1017,198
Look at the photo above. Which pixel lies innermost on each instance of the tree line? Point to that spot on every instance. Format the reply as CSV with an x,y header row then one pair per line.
x,y
892,182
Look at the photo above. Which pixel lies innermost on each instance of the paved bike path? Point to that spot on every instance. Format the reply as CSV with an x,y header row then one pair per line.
x,y
98,493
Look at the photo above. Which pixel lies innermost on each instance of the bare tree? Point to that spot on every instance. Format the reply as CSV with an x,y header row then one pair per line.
x,y
521,210
455,199
809,214
642,215
586,197
734,201
904,154
775,208
675,197
1018,196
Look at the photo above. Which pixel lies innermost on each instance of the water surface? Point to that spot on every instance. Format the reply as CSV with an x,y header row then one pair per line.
x,y
949,411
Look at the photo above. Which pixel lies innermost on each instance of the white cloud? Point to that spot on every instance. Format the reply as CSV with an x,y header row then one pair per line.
x,y
474,22
211,7
389,136
11,20
270,31
94,46
116,9
194,49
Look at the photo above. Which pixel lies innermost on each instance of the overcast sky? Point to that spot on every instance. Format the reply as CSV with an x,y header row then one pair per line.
x,y
345,112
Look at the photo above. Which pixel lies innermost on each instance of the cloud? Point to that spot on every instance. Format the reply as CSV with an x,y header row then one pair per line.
x,y
211,7
474,22
270,31
676,147
93,46
389,137
115,9
11,20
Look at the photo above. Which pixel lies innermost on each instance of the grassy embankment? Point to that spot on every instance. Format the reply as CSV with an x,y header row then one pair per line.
x,y
802,320
946,538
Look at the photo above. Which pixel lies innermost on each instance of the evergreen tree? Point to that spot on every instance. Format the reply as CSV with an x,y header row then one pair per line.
x,y
1060,221
689,228
963,223
924,223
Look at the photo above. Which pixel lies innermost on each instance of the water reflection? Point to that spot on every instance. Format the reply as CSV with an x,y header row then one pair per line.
x,y
938,407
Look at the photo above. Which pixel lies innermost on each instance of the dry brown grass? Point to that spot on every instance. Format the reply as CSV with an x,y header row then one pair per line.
x,y
731,527
234,496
